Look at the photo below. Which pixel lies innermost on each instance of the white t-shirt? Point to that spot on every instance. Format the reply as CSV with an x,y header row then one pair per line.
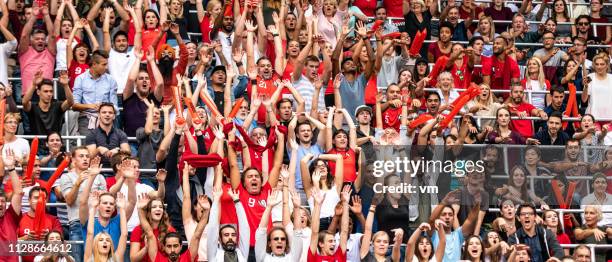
x,y
537,100
329,203
140,189
60,57
20,147
6,49
600,92
119,65
353,246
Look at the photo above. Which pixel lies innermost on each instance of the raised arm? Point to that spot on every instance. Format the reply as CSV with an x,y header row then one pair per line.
x,y
92,205
318,198
367,234
122,204
24,41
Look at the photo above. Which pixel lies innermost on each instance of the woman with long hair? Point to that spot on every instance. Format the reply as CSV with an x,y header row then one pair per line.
x,y
590,135
341,142
507,223
560,14
486,30
330,13
460,64
175,13
484,105
421,247
318,175
99,248
503,132
495,248
551,221
473,250
77,57
63,28
532,158
208,17
535,80
600,83
54,239
159,220
516,188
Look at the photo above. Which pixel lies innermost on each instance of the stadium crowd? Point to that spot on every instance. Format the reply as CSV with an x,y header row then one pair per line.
x,y
252,130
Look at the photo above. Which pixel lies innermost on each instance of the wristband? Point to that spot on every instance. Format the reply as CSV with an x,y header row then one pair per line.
x,y
236,201
238,64
10,170
254,82
275,35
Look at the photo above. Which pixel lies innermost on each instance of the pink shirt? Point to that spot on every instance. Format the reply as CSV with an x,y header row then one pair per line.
x,y
30,62
329,27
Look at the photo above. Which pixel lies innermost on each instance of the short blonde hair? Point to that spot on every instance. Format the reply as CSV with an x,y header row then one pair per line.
x,y
15,116
597,210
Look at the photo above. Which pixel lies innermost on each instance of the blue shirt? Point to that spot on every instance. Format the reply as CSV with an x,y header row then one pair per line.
x,y
353,93
91,91
535,247
301,153
113,229
452,251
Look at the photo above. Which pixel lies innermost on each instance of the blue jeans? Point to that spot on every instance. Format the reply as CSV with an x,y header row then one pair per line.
x,y
76,233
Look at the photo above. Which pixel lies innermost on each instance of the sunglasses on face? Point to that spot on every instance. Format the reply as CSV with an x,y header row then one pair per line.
x,y
279,239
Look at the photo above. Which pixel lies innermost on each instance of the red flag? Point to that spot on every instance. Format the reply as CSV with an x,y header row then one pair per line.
x,y
392,35
417,43
420,120
376,25
39,214
437,69
236,107
211,106
31,160
58,172
192,112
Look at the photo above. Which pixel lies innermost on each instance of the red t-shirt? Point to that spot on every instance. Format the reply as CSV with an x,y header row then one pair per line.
x,y
205,28
463,14
254,206
26,225
523,127
461,74
350,173
137,237
264,87
257,159
394,8
9,224
228,216
391,118
366,6
75,70
501,73
185,257
337,257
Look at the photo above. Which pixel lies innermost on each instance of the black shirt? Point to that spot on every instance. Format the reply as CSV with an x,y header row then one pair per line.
x,y
43,123
135,113
112,140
